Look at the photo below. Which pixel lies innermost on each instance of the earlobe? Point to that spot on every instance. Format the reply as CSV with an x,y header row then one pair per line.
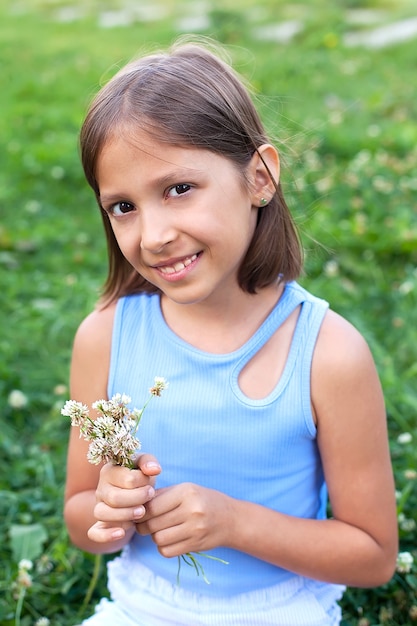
x,y
265,172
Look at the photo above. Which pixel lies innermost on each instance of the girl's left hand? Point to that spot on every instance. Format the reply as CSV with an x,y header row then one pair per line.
x,y
187,518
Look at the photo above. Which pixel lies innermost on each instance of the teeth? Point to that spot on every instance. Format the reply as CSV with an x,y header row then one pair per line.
x,y
177,267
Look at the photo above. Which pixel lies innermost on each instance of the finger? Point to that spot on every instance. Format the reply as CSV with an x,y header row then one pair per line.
x,y
106,514
122,477
125,498
148,464
158,518
101,532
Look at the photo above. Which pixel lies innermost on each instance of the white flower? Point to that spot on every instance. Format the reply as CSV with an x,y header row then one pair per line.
x,y
116,407
24,579
331,268
60,390
25,565
77,411
159,385
405,438
99,451
104,426
112,433
407,524
17,399
405,561
42,621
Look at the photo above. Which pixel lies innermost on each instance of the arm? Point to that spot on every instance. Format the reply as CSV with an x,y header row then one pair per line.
x,y
112,495
358,546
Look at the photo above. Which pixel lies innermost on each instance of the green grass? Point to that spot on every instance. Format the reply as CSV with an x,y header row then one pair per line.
x,y
345,121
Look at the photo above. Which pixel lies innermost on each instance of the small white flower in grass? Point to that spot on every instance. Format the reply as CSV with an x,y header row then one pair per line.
x,y
60,390
44,565
24,579
405,438
42,621
25,565
405,561
407,524
17,399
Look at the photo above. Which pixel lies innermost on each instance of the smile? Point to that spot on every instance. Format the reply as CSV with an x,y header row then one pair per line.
x,y
178,266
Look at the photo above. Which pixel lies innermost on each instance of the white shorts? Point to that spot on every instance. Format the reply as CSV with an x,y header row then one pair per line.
x,y
148,600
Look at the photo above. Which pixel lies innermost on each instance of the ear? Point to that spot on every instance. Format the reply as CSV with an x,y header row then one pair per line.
x,y
263,174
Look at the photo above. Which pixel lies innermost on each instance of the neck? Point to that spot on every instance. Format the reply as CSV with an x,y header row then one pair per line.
x,y
221,327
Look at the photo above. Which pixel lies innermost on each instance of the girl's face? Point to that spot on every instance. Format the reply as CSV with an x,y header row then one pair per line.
x,y
183,217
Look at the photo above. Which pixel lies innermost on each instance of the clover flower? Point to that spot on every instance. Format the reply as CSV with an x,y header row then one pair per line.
x,y
20,585
112,437
25,565
404,438
76,411
17,399
159,386
405,561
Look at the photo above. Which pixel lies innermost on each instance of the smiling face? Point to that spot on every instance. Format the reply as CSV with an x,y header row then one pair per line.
x,y
182,217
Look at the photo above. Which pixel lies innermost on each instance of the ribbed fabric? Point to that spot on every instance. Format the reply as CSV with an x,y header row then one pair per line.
x,y
203,429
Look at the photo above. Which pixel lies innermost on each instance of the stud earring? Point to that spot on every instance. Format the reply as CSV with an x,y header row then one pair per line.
x,y
263,201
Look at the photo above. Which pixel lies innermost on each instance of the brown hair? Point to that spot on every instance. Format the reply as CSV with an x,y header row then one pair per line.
x,y
190,97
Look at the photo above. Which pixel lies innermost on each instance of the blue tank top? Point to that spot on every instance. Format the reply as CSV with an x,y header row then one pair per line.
x,y
204,430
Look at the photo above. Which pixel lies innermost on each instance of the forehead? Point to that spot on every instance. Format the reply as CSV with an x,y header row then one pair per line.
x,y
139,149
144,153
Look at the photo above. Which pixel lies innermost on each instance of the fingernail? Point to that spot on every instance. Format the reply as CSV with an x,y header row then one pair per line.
x,y
151,492
152,465
117,534
139,512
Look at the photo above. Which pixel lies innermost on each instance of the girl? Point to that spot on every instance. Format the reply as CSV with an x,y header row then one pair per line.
x,y
273,400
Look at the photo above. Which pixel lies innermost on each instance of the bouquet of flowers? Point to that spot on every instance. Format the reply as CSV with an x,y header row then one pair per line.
x,y
113,438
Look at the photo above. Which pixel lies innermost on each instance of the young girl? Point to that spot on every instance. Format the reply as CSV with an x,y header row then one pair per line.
x,y
273,401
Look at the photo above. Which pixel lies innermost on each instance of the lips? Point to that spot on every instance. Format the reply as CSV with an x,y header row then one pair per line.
x,y
178,266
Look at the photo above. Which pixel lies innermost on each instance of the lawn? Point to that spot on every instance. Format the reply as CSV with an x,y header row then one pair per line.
x,y
344,116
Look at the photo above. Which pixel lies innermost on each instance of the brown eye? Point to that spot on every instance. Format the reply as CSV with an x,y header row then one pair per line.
x,y
121,208
178,190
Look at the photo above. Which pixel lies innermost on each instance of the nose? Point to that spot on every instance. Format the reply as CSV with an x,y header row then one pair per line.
x,y
156,230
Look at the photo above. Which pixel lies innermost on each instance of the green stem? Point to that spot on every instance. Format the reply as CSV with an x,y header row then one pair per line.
x,y
93,584
19,606
141,413
192,561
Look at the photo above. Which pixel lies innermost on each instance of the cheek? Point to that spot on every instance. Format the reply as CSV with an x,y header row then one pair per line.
x,y
128,241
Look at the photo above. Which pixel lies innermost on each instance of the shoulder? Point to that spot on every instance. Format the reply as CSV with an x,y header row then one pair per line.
x,y
95,330
343,368
339,343
91,354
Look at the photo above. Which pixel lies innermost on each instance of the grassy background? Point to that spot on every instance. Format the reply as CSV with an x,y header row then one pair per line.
x,y
344,118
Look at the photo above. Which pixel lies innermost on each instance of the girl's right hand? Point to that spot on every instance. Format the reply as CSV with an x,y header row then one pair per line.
x,y
120,498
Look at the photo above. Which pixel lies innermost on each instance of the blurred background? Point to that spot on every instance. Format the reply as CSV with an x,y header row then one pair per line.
x,y
336,86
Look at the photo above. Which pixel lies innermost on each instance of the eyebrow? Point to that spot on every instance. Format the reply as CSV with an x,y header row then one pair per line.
x,y
179,175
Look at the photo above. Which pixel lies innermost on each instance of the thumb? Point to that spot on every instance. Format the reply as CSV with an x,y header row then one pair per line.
x,y
148,464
